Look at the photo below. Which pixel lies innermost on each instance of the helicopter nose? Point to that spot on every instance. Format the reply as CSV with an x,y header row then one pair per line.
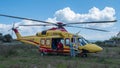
x,y
98,48
93,48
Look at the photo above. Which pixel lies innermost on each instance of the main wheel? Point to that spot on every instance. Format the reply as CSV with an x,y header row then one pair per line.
x,y
84,55
43,53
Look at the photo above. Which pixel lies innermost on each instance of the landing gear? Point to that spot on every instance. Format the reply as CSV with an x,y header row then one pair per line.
x,y
43,52
84,53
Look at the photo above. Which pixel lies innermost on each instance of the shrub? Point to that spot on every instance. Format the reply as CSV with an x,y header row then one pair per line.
x,y
7,38
7,51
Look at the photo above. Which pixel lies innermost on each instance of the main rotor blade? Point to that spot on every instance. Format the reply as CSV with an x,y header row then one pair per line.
x,y
26,19
93,22
89,28
37,25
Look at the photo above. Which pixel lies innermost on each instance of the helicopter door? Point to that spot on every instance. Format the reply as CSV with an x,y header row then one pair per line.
x,y
54,44
75,41
55,41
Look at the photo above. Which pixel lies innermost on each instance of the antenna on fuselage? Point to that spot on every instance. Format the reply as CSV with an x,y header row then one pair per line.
x,y
78,32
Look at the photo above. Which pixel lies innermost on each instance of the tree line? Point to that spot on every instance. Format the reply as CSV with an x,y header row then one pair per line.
x,y
5,38
113,41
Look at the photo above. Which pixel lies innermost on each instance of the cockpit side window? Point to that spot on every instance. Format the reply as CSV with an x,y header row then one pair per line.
x,y
82,41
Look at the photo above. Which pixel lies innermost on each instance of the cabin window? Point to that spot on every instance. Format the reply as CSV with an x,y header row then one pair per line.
x,y
48,42
62,41
67,42
42,41
44,32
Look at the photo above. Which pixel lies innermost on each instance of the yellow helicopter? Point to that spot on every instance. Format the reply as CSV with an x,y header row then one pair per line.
x,y
48,40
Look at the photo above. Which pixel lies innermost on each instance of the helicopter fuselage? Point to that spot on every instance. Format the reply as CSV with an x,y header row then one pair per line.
x,y
47,41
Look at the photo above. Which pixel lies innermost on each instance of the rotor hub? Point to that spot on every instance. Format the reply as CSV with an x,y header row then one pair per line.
x,y
60,25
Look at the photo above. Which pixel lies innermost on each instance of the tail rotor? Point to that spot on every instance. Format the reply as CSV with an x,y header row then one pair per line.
x,y
11,29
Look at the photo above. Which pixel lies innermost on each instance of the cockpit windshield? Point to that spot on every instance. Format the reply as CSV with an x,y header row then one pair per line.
x,y
82,41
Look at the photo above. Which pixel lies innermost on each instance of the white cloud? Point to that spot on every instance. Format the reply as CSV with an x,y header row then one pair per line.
x,y
53,20
4,28
67,15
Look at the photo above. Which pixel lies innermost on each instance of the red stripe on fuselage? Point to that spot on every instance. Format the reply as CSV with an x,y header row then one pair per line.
x,y
47,49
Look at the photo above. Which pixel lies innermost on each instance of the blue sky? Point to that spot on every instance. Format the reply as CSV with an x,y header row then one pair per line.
x,y
44,9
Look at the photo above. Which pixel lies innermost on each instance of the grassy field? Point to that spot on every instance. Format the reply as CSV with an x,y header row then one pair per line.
x,y
27,56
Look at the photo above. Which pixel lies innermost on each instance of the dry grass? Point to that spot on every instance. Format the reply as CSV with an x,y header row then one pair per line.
x,y
27,56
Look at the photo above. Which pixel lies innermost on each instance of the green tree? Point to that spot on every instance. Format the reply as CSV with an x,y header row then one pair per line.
x,y
115,38
7,38
1,36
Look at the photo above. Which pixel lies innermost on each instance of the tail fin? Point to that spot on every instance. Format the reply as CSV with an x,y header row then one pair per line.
x,y
17,33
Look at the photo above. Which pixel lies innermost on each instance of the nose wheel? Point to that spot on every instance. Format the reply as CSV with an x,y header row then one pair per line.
x,y
84,53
